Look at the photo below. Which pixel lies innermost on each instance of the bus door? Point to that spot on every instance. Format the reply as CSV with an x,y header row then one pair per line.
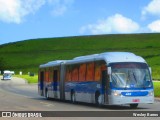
x,y
41,82
55,82
105,86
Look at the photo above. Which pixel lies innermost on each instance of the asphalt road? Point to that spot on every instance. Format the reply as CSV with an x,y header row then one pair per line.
x,y
17,95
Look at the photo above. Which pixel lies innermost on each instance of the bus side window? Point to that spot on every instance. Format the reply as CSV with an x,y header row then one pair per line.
x,y
50,74
68,74
90,72
99,67
97,72
82,72
41,75
55,77
46,75
75,73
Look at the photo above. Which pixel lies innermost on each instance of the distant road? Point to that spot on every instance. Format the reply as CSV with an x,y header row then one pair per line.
x,y
17,95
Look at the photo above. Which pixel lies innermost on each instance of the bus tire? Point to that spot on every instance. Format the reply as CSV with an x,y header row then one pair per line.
x,y
41,93
47,95
133,106
73,98
97,99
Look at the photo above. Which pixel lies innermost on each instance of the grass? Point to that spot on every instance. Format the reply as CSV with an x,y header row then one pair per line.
x,y
26,56
156,89
30,79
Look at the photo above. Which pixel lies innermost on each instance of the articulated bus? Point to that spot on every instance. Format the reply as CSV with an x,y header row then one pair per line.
x,y
111,78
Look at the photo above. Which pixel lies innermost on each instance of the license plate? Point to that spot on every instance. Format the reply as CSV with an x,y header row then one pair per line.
x,y
136,100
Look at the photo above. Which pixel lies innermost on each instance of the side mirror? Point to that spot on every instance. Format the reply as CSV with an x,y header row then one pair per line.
x,y
150,70
109,71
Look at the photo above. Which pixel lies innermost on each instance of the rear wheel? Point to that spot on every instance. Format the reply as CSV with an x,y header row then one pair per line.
x,y
73,98
133,106
47,95
97,99
41,93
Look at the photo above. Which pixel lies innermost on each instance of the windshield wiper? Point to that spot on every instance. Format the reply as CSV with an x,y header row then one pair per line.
x,y
134,77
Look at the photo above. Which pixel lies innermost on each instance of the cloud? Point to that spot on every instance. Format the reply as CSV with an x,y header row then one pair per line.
x,y
154,26
114,24
60,7
13,11
9,11
152,8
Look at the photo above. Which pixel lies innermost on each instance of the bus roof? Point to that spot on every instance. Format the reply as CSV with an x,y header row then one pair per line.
x,y
7,72
52,63
109,57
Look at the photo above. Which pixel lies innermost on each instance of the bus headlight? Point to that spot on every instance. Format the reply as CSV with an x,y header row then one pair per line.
x,y
150,93
116,93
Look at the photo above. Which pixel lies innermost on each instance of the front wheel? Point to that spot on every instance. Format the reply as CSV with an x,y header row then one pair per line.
x,y
98,99
133,106
73,98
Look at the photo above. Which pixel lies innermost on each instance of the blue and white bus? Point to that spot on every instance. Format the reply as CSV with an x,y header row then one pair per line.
x,y
111,78
7,75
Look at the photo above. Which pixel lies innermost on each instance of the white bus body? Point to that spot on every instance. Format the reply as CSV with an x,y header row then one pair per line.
x,y
111,78
7,75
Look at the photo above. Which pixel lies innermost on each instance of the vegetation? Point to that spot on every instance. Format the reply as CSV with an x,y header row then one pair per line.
x,y
30,79
26,56
156,89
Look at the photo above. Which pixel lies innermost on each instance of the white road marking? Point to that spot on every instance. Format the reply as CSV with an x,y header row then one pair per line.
x,y
47,104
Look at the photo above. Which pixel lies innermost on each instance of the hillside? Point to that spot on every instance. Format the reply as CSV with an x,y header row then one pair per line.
x,y
27,55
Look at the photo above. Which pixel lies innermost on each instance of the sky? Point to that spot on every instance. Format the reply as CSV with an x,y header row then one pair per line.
x,y
32,19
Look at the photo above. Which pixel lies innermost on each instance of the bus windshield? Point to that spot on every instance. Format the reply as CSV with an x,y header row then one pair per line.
x,y
130,75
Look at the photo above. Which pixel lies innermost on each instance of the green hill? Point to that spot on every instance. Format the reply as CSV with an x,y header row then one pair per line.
x,y
27,55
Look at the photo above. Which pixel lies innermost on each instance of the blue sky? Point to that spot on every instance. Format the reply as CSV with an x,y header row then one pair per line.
x,y
29,19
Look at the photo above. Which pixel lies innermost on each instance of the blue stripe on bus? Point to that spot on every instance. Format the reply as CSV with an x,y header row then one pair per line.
x,y
144,93
50,86
92,86
147,88
85,87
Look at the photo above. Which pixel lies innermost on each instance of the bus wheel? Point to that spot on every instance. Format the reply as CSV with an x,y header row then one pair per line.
x,y
47,95
73,98
133,106
97,98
